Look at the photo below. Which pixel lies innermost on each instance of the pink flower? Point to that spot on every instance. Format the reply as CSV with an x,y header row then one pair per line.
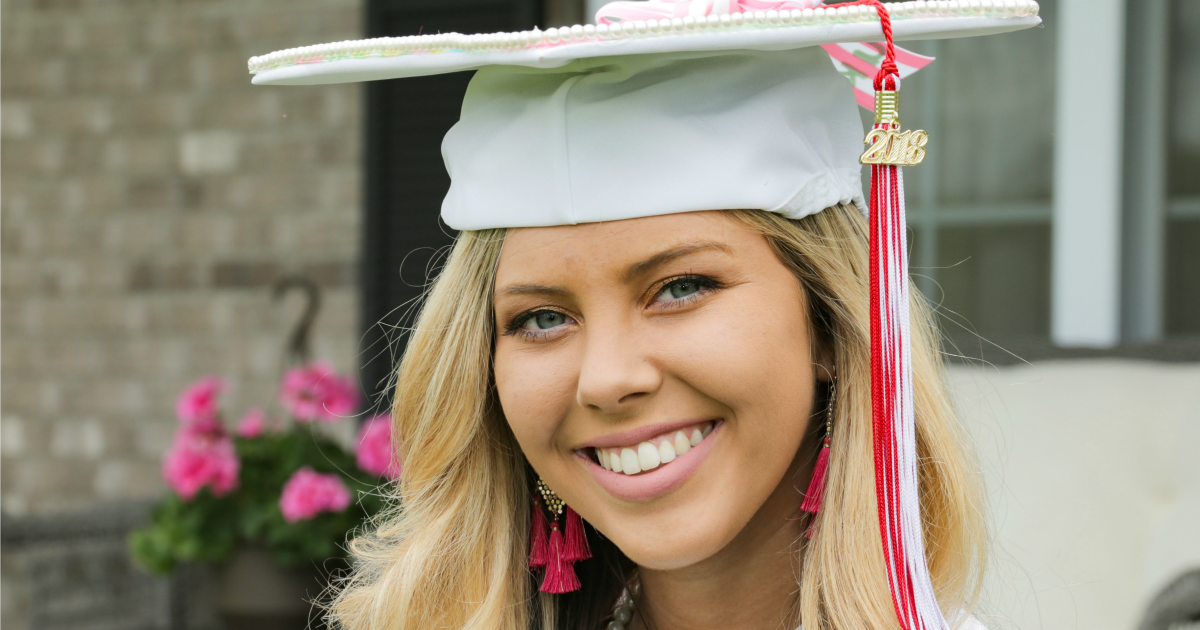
x,y
308,493
374,452
198,404
316,392
201,457
252,424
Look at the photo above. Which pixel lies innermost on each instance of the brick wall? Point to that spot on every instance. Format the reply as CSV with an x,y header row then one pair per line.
x,y
150,198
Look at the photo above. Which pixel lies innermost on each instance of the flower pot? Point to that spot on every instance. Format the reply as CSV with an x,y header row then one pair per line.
x,y
256,594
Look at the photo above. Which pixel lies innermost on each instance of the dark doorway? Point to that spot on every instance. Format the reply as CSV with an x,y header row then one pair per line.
x,y
405,180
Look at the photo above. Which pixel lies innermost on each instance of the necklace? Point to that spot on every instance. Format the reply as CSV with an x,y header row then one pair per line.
x,y
625,609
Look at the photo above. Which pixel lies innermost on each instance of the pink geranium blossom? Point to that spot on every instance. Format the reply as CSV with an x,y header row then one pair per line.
x,y
201,456
198,404
316,392
308,493
253,423
374,451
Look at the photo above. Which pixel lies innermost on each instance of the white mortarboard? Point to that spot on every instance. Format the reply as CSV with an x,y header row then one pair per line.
x,y
671,106
710,108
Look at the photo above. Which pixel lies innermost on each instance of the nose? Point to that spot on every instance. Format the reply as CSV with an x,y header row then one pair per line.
x,y
616,373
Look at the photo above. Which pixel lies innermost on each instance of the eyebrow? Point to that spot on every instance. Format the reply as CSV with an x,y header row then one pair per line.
x,y
633,271
535,289
664,257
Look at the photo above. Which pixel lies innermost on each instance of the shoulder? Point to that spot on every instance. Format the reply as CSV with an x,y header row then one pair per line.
x,y
971,623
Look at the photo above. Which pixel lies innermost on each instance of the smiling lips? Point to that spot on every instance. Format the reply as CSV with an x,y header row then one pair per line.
x,y
637,464
654,452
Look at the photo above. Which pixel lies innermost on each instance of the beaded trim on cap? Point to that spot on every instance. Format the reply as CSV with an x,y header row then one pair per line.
x,y
383,47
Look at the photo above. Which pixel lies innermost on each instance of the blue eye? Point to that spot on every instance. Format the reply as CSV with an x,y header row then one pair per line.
x,y
681,289
684,288
544,320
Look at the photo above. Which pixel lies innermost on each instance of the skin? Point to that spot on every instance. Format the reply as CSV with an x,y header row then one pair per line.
x,y
612,326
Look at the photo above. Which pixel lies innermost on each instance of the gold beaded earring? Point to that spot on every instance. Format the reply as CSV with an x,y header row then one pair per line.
x,y
556,552
816,486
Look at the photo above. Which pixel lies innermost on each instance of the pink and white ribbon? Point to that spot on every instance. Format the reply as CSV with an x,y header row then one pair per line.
x,y
857,62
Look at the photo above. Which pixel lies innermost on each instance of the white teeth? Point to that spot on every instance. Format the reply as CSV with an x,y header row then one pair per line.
x,y
666,452
648,456
629,462
682,445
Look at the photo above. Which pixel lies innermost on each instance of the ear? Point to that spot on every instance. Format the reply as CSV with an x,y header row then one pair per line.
x,y
823,365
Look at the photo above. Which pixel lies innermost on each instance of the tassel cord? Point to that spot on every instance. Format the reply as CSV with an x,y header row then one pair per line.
x,y
893,414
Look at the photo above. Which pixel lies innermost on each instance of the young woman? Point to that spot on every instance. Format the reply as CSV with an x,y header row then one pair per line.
x,y
650,386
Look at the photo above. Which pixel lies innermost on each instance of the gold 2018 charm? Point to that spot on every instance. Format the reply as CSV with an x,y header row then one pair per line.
x,y
892,146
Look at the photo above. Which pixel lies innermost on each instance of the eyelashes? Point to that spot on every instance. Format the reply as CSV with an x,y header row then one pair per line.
x,y
539,316
685,289
667,294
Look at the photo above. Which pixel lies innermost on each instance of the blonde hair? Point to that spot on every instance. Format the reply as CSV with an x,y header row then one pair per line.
x,y
452,551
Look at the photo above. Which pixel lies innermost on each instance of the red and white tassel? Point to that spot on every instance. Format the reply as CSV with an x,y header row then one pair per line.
x,y
892,408
895,445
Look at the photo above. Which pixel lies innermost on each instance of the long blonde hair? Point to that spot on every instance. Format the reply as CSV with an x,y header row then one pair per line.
x,y
451,551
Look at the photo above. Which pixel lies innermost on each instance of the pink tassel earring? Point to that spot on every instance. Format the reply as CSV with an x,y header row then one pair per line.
x,y
576,539
557,552
816,486
539,544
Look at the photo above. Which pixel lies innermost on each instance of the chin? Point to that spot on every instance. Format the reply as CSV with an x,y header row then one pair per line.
x,y
684,532
675,548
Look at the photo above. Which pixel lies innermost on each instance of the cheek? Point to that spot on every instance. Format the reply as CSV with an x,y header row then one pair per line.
x,y
536,391
751,354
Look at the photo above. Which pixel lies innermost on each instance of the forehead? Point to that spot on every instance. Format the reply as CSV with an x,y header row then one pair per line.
x,y
592,247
